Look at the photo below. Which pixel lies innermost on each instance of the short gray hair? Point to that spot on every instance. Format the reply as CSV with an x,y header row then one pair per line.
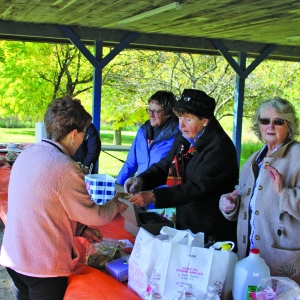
x,y
284,108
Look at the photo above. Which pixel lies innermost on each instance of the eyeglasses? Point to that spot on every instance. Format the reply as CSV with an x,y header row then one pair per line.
x,y
277,122
154,112
86,136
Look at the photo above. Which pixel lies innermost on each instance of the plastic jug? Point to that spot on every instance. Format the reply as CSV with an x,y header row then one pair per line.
x,y
248,273
227,246
228,283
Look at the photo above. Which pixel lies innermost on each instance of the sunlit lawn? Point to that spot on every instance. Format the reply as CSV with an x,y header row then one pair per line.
x,y
107,164
110,165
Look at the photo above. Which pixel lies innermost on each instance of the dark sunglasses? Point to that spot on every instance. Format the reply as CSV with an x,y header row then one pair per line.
x,y
277,122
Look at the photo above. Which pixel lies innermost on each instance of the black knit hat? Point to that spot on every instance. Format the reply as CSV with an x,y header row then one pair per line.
x,y
197,103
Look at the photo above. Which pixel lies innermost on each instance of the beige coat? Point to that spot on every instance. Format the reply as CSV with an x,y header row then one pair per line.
x,y
281,252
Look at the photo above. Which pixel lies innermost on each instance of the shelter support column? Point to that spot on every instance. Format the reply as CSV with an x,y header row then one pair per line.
x,y
242,72
98,62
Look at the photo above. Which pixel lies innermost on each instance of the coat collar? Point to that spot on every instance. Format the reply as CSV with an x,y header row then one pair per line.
x,y
211,130
280,152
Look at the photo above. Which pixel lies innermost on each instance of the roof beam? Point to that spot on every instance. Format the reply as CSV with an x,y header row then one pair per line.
x,y
50,33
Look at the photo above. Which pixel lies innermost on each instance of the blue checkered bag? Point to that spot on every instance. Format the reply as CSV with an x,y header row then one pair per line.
x,y
101,187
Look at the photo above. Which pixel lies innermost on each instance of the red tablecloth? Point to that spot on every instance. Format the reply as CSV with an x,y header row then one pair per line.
x,y
86,283
90,284
114,229
5,169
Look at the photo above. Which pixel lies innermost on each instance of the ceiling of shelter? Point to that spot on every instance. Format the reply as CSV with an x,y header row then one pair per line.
x,y
243,26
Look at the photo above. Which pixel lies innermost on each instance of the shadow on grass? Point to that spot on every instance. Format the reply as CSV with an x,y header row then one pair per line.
x,y
108,138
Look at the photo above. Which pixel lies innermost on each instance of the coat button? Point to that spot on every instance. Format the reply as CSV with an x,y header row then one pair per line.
x,y
266,164
260,187
257,237
257,212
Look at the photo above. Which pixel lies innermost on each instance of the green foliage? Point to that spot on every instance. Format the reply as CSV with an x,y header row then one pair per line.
x,y
248,149
14,122
22,92
32,74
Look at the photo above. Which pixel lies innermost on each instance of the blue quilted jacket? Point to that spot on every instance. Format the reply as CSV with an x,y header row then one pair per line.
x,y
141,156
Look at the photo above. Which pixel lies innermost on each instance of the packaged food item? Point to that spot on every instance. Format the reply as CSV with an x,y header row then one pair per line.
x,y
98,254
118,268
11,155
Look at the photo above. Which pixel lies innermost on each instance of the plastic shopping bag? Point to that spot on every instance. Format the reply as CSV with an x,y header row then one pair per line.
x,y
277,288
147,249
180,267
188,239
142,260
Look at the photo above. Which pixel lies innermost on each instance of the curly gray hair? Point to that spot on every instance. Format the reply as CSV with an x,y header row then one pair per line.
x,y
282,107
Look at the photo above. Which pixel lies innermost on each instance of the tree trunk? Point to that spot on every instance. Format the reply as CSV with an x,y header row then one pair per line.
x,y
118,137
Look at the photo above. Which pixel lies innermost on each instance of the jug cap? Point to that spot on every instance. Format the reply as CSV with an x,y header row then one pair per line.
x,y
219,245
254,251
226,247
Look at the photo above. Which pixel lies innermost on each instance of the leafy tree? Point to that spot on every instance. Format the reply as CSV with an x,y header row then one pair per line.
x,y
32,74
35,73
22,92
69,73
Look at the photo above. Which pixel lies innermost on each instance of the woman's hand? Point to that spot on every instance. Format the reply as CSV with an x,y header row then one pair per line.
x,y
92,235
228,202
142,198
121,205
133,185
276,179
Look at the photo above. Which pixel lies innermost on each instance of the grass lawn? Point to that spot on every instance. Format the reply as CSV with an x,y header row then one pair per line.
x,y
110,165
107,164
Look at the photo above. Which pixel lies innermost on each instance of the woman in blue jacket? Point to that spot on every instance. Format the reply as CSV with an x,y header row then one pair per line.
x,y
154,138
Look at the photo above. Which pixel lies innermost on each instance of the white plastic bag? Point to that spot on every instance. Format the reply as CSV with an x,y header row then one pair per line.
x,y
277,288
179,267
142,260
190,238
146,250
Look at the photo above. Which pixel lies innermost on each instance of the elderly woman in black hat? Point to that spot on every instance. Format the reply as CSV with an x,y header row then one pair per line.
x,y
200,166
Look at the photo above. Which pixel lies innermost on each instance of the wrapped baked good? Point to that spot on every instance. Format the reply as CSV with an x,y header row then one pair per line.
x,y
98,254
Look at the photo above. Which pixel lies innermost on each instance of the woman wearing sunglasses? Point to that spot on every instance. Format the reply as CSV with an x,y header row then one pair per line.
x,y
266,202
